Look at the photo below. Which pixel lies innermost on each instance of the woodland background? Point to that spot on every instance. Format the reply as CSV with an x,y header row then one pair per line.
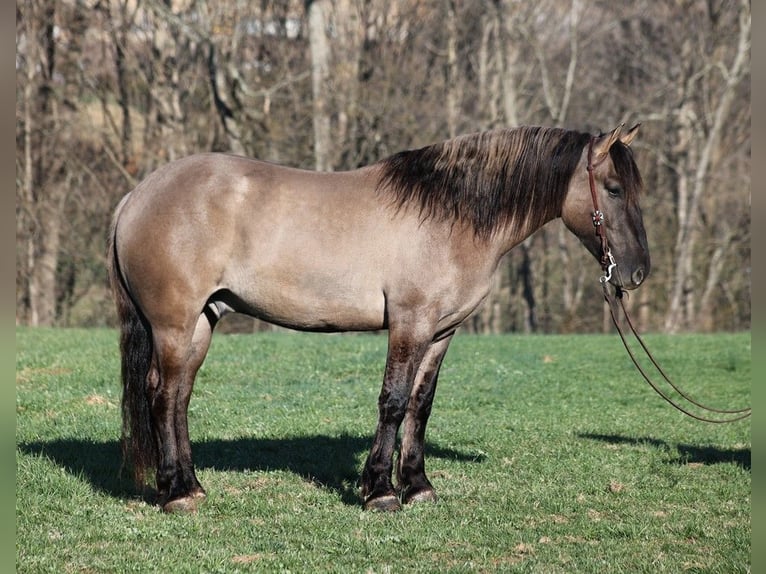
x,y
107,90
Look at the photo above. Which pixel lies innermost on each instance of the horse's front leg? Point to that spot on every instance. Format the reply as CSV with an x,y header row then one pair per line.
x,y
405,353
411,471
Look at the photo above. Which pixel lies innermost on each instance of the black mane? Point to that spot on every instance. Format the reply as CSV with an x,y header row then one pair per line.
x,y
494,178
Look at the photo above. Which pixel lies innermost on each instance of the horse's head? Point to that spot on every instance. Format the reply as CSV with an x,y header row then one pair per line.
x,y
616,184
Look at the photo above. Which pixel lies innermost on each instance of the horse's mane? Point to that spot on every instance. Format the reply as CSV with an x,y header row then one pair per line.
x,y
494,178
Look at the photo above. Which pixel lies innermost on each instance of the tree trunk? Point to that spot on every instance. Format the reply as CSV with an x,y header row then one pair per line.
x,y
348,46
318,11
24,219
44,196
119,35
693,181
508,54
42,281
527,281
452,73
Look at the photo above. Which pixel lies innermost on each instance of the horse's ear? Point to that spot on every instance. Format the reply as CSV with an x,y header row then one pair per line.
x,y
602,145
628,137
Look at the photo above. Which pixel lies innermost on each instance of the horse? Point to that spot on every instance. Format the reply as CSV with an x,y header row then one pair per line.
x,y
408,244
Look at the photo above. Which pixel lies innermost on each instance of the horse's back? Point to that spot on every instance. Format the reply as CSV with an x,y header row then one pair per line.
x,y
229,199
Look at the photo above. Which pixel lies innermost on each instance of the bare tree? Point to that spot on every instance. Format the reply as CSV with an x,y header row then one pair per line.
x,y
700,133
41,196
104,95
347,49
318,16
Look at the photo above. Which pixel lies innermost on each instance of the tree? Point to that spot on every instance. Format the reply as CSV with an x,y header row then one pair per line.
x,y
318,16
42,191
701,122
107,90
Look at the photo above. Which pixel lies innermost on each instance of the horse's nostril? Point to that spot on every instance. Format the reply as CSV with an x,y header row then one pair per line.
x,y
638,276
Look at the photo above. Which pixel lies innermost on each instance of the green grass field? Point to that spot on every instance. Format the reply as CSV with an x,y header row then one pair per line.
x,y
549,454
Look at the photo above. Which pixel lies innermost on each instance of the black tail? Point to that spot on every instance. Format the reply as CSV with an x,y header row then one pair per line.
x,y
138,445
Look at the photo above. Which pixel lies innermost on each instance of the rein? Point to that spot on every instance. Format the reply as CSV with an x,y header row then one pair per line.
x,y
608,264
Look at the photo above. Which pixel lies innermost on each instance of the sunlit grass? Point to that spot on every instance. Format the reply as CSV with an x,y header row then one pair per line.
x,y
548,453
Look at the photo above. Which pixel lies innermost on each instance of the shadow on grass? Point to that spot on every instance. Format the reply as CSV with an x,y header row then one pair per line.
x,y
329,462
686,453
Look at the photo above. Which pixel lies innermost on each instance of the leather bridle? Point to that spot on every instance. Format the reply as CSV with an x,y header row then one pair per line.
x,y
608,264
599,221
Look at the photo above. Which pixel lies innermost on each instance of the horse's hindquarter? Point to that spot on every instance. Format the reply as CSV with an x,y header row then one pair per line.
x,y
314,251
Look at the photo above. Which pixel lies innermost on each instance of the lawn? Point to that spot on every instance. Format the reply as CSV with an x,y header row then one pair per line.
x,y
549,454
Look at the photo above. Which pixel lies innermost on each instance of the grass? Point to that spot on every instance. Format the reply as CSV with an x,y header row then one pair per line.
x,y
548,453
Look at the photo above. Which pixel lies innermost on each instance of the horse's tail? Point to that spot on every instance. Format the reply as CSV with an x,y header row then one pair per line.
x,y
136,348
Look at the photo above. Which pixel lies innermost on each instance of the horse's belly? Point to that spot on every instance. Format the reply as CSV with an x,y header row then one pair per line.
x,y
313,304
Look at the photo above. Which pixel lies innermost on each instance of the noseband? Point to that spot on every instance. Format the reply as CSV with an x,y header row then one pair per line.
x,y
608,264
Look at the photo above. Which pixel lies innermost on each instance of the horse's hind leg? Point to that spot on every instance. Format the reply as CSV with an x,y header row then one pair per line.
x,y
178,358
411,471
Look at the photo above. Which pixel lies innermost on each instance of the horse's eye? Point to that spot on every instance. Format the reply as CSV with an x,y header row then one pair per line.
x,y
614,190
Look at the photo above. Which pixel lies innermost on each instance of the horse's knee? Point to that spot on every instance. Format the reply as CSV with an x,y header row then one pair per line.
x,y
392,404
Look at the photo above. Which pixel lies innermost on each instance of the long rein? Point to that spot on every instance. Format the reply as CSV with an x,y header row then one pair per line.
x,y
608,264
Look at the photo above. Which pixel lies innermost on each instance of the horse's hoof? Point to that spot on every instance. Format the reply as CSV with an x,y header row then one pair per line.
x,y
385,503
184,505
425,495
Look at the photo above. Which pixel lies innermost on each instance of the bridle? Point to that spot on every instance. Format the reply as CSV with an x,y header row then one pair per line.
x,y
608,264
607,260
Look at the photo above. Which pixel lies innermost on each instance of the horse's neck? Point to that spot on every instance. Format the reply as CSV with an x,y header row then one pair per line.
x,y
516,233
